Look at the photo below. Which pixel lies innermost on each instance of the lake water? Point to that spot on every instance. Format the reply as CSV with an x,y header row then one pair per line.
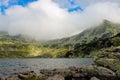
x,y
10,66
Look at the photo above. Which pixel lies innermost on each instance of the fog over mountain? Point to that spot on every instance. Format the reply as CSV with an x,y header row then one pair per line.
x,y
45,19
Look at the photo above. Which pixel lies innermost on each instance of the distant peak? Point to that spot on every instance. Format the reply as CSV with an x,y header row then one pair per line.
x,y
106,21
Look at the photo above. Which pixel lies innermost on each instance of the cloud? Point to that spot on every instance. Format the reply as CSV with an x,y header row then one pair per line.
x,y
3,23
44,19
4,2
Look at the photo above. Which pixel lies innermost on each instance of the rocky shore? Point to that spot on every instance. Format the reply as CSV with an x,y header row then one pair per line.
x,y
72,73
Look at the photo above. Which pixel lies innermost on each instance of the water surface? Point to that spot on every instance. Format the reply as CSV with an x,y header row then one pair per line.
x,y
10,66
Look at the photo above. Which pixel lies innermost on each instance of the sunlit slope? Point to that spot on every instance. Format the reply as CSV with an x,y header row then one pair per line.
x,y
18,47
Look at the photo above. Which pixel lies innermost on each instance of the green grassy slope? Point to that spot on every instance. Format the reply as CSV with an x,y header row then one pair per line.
x,y
19,47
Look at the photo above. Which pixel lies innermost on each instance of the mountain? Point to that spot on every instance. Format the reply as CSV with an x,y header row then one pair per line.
x,y
111,44
105,30
4,36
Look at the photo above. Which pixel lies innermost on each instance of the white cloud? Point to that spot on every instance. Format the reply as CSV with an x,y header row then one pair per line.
x,y
3,23
44,19
4,2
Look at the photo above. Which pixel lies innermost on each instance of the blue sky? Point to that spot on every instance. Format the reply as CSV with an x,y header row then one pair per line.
x,y
72,5
5,5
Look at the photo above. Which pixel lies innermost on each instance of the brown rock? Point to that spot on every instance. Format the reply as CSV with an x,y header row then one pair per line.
x,y
94,78
77,75
56,77
118,73
21,76
10,78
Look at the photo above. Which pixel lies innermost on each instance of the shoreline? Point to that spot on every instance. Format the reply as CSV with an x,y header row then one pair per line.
x,y
92,72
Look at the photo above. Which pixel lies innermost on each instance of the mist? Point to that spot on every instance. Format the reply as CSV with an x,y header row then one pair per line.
x,y
45,20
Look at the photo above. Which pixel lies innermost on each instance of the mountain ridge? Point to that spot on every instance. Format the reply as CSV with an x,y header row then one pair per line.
x,y
105,30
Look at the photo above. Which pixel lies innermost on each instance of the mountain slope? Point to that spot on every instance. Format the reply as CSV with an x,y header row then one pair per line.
x,y
112,44
19,47
105,30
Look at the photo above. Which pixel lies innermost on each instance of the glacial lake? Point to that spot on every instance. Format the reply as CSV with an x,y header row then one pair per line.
x,y
11,66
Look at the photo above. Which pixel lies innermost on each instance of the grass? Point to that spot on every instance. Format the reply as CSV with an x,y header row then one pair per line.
x,y
14,49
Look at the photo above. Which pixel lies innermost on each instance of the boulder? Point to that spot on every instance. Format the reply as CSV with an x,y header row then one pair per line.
x,y
10,78
94,78
118,74
21,76
106,72
101,72
110,63
56,77
27,74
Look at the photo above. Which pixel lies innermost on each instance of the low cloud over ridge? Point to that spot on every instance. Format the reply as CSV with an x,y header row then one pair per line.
x,y
44,19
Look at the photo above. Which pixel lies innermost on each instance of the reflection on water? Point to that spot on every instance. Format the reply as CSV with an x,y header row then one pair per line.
x,y
10,66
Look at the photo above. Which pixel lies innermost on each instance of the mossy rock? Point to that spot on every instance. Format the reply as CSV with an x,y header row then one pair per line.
x,y
118,74
110,63
100,72
113,52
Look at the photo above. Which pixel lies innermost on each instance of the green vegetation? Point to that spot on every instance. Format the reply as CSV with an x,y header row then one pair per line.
x,y
18,47
109,44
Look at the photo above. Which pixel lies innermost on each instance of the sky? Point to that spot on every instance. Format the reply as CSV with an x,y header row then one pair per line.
x,y
53,19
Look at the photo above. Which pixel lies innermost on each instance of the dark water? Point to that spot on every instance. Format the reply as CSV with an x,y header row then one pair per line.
x,y
10,66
